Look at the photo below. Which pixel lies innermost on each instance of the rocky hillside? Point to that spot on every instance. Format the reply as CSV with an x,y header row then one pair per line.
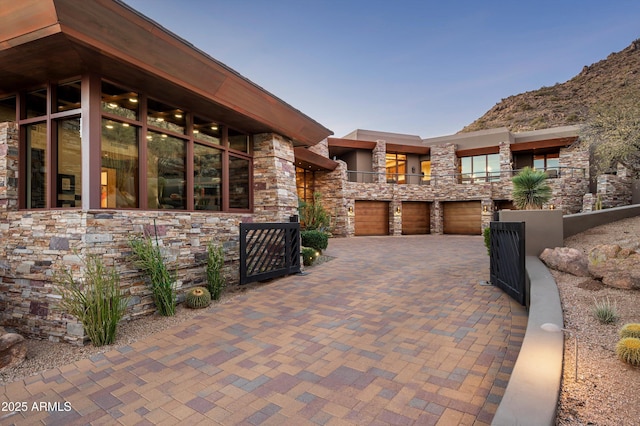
x,y
568,103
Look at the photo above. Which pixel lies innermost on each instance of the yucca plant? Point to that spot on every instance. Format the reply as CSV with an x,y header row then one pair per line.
x,y
97,300
630,330
215,262
628,350
605,311
148,258
530,189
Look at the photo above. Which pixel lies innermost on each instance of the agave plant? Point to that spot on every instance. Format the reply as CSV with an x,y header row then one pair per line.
x,y
530,189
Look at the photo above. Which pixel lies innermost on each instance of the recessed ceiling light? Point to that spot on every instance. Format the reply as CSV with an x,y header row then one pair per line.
x,y
178,115
133,100
113,105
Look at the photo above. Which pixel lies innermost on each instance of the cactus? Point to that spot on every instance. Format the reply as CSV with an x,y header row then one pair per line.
x,y
628,350
630,330
198,297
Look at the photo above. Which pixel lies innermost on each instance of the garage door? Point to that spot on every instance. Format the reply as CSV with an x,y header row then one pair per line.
x,y
372,217
462,217
415,218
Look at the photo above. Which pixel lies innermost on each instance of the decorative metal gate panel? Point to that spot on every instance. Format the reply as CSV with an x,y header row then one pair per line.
x,y
507,262
268,250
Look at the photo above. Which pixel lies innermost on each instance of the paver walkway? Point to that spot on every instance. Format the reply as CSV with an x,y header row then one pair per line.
x,y
394,330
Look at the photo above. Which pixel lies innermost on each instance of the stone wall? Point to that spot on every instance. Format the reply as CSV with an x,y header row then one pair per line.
x,y
8,166
37,244
444,163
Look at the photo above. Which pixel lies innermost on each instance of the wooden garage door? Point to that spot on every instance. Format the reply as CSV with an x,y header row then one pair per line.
x,y
415,218
372,217
462,217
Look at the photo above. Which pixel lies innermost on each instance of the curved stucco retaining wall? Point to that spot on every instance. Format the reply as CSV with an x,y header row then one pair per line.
x,y
579,222
532,394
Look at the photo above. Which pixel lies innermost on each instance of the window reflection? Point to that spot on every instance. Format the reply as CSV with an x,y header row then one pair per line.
x,y
166,174
119,101
206,131
36,103
36,144
238,141
207,178
165,117
119,173
238,183
68,96
69,179
8,109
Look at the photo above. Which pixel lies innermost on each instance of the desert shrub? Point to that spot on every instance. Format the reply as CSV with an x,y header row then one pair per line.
x,y
309,256
630,330
605,311
197,298
628,350
215,262
487,239
530,189
97,301
316,239
148,258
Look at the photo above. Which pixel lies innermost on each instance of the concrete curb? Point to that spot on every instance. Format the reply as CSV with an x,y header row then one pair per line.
x,y
532,394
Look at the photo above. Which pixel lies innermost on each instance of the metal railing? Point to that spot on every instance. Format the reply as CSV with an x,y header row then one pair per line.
x,y
461,178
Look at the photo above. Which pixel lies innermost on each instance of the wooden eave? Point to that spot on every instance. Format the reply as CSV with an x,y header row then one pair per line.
x,y
408,149
478,151
311,161
543,144
350,143
44,40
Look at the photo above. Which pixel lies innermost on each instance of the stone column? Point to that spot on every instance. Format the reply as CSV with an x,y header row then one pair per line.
x,y
8,166
506,167
379,164
275,198
396,221
444,164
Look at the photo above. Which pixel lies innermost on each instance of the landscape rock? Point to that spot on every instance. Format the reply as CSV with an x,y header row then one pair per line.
x,y
615,266
13,350
565,259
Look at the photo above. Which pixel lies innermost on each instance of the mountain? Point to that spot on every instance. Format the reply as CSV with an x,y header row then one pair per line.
x,y
568,103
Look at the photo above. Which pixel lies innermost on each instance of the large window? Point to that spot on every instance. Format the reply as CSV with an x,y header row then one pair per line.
x,y
550,163
480,168
396,165
153,155
119,173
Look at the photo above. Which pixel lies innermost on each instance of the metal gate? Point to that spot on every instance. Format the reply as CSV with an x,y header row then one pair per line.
x,y
507,264
268,250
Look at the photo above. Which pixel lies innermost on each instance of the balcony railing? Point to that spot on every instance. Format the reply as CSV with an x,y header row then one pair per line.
x,y
462,178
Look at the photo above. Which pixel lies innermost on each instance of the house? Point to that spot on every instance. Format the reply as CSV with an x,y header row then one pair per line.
x,y
392,184
110,126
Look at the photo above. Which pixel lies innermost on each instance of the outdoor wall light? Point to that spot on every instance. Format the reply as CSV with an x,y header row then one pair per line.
x,y
485,208
555,328
552,207
398,210
350,210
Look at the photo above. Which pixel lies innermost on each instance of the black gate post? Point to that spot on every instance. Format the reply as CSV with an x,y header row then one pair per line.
x,y
507,259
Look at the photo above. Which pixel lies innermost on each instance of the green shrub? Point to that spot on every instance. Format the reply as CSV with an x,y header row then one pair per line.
x,y
313,216
630,330
628,350
530,189
487,239
148,258
197,298
315,239
605,311
97,301
215,262
309,256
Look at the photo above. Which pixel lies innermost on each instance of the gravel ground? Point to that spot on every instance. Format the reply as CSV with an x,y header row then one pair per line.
x,y
607,391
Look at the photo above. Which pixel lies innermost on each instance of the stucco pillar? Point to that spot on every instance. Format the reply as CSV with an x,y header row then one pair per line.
x,y
8,166
275,198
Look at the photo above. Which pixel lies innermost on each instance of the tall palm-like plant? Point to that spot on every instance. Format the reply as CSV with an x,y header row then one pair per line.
x,y
530,189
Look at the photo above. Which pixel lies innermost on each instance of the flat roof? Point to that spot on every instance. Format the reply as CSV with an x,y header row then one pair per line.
x,y
44,40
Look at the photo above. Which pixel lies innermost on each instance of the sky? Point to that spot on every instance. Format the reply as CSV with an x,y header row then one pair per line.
x,y
425,68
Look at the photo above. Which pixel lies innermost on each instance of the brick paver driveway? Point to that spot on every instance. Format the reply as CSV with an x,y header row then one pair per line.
x,y
394,330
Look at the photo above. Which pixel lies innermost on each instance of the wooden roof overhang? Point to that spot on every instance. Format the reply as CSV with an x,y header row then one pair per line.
x,y
543,144
408,149
48,40
339,146
309,160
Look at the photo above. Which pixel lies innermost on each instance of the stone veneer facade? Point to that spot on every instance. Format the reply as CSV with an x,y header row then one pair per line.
x,y
339,194
38,243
